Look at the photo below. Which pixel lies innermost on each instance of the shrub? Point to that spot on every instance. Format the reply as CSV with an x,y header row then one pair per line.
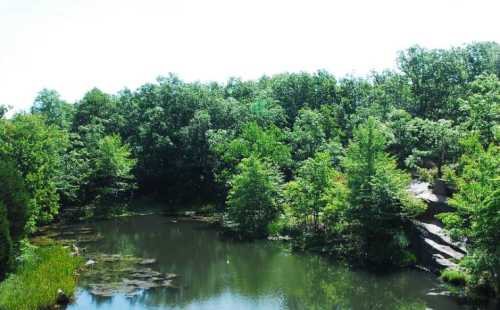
x,y
453,276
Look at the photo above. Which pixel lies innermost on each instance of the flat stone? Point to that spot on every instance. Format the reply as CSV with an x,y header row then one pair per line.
x,y
444,262
170,276
441,233
444,249
147,261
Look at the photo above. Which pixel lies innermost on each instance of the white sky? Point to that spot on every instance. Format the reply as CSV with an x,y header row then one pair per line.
x,y
74,45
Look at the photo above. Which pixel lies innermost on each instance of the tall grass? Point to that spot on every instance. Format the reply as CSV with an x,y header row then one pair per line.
x,y
37,280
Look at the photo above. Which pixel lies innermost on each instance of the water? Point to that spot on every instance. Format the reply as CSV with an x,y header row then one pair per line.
x,y
221,274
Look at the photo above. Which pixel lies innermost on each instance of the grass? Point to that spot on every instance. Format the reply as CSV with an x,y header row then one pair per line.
x,y
37,280
453,276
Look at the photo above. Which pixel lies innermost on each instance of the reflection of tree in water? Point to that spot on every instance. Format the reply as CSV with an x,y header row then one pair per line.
x,y
211,267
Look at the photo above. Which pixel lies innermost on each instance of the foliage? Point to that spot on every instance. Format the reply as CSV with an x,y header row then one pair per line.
x,y
56,111
15,199
308,134
37,150
477,204
6,252
481,108
454,276
310,193
337,143
254,198
268,144
112,180
379,205
36,282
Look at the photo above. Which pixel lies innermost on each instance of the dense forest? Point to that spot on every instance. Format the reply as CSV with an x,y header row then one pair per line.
x,y
323,159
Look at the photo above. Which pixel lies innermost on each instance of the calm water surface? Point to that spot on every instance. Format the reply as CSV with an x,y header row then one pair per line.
x,y
220,274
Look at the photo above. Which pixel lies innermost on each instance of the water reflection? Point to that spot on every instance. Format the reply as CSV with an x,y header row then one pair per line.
x,y
221,274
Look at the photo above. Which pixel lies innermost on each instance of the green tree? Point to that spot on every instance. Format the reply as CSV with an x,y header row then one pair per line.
x,y
267,144
436,143
379,204
308,135
477,215
5,243
37,149
15,199
437,78
111,181
57,111
481,108
308,195
254,198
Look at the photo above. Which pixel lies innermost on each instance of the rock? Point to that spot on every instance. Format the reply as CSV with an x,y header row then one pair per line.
x,y
168,283
62,298
90,262
111,258
279,238
437,233
439,293
102,291
423,191
170,276
444,263
75,250
444,250
147,261
126,275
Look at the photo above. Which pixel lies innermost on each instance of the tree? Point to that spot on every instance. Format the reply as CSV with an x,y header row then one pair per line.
x,y
254,197
308,134
267,144
5,243
477,215
437,78
436,143
112,180
95,107
297,90
379,204
56,111
15,199
266,112
37,149
308,195
481,108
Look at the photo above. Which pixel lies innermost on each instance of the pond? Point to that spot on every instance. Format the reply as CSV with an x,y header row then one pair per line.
x,y
215,273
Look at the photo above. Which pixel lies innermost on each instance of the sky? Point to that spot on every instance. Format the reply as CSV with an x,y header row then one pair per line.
x,y
74,45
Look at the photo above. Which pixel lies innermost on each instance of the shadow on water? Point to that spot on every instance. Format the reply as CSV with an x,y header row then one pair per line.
x,y
223,274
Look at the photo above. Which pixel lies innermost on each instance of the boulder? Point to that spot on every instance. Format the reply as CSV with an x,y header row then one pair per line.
x,y
62,298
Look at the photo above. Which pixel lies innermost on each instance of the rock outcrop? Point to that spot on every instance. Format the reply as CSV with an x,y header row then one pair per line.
x,y
435,249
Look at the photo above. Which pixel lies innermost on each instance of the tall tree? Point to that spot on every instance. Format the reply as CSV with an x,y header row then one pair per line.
x,y
477,215
56,111
254,197
379,204
37,150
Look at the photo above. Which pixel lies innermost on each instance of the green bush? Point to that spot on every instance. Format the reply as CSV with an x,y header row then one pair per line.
x,y
453,276
38,279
